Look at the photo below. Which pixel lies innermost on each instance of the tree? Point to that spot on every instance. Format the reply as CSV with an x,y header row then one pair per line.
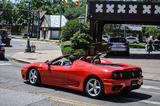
x,y
149,0
72,13
80,40
71,27
6,15
152,31
113,29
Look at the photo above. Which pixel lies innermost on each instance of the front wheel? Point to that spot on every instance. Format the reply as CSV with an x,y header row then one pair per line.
x,y
94,88
34,77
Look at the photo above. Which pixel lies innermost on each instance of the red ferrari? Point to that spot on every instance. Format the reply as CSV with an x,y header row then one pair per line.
x,y
85,74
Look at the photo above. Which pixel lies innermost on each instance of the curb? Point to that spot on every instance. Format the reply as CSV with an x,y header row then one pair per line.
x,y
21,61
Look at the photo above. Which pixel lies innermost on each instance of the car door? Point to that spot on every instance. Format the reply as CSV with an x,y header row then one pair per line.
x,y
75,74
58,73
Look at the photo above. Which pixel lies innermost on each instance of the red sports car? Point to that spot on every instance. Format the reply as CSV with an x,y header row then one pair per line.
x,y
85,74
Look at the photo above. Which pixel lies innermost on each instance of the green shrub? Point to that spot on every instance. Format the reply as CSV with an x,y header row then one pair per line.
x,y
70,29
139,45
67,50
81,52
80,40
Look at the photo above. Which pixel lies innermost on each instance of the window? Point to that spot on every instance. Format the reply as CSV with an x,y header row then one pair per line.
x,y
117,40
59,61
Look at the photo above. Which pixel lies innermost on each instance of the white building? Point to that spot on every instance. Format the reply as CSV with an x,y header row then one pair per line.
x,y
50,26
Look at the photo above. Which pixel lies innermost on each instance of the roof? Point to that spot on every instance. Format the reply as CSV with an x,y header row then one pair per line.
x,y
54,21
42,14
135,27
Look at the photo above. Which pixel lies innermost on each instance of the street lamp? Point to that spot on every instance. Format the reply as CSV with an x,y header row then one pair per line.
x,y
124,31
28,47
81,21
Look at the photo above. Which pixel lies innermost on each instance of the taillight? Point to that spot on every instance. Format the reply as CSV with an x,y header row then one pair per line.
x,y
110,44
140,73
117,75
114,76
126,44
2,48
121,75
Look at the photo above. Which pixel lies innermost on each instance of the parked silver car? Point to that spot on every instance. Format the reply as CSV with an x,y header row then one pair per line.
x,y
118,45
132,39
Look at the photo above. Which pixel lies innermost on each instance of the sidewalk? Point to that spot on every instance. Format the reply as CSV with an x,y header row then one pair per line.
x,y
38,56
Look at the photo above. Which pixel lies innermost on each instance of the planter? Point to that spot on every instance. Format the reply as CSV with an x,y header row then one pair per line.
x,y
33,48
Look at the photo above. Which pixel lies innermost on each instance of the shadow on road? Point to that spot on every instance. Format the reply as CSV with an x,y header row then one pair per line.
x,y
135,56
126,98
118,98
4,59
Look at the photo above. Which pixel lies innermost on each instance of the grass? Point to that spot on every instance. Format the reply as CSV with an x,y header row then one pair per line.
x,y
67,43
135,45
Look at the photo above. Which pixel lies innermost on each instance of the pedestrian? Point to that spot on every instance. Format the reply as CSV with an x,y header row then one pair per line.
x,y
149,44
9,37
0,39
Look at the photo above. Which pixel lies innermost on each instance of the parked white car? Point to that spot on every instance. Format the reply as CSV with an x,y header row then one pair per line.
x,y
105,38
132,39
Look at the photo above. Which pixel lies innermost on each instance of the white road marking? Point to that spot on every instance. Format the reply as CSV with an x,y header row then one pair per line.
x,y
151,102
150,87
5,64
148,92
144,101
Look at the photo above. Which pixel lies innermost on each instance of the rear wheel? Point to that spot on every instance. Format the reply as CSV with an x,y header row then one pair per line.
x,y
2,57
127,53
94,88
34,77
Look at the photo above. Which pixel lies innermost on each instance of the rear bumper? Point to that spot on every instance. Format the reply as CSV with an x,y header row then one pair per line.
x,y
118,49
116,86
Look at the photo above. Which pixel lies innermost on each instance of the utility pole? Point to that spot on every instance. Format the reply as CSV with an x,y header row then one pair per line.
x,y
38,27
86,11
28,47
32,24
124,30
60,21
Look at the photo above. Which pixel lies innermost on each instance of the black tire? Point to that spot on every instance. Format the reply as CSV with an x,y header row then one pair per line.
x,y
34,77
127,53
2,57
98,88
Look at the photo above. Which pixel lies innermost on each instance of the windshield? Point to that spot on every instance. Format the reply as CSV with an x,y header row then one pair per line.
x,y
117,40
131,38
105,36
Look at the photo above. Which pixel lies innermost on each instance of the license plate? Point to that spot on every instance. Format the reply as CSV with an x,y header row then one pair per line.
x,y
118,45
134,83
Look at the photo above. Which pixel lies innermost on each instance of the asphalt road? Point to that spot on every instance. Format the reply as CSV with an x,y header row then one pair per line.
x,y
15,92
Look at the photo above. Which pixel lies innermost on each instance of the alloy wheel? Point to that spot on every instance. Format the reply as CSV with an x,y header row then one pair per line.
x,y
33,76
93,87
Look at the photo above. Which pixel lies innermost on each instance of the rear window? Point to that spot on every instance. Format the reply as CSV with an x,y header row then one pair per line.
x,y
117,40
105,36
